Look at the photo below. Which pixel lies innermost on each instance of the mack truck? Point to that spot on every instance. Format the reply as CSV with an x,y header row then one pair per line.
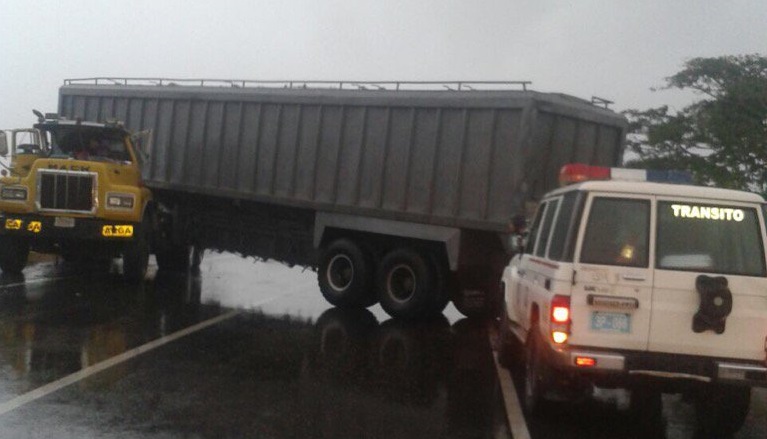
x,y
74,188
395,193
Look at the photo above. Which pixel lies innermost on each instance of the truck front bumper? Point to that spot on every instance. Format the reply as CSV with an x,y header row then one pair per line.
x,y
67,228
626,365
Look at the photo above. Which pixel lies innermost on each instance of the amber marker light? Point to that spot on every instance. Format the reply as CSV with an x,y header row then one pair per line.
x,y
585,362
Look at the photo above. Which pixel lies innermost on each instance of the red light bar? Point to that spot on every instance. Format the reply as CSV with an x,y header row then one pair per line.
x,y
578,172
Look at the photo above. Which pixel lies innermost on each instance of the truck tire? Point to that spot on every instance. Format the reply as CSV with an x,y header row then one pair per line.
x,y
14,253
477,301
441,295
136,257
197,255
345,275
721,410
174,257
405,281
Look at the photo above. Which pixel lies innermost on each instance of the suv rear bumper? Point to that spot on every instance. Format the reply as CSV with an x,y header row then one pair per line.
x,y
628,364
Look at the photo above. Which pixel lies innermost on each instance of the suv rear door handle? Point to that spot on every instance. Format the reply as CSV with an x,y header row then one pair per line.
x,y
634,277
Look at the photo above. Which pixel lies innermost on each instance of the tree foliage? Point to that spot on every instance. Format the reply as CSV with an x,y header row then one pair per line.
x,y
722,137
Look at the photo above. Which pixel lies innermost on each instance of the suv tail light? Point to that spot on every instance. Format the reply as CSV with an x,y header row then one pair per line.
x,y
560,319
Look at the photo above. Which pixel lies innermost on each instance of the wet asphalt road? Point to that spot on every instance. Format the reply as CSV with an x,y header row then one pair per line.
x,y
278,362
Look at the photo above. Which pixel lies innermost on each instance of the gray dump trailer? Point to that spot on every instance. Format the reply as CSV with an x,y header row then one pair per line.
x,y
398,196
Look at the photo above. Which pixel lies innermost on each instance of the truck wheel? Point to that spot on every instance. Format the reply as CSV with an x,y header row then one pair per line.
x,y
174,257
406,283
197,254
345,275
477,302
136,257
14,252
721,410
441,295
536,373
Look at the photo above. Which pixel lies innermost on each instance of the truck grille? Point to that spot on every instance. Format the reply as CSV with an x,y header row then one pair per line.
x,y
66,191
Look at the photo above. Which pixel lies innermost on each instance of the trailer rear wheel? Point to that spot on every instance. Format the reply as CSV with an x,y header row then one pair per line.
x,y
441,295
14,253
406,282
345,275
174,257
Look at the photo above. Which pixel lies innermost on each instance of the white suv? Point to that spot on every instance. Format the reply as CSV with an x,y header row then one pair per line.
x,y
642,284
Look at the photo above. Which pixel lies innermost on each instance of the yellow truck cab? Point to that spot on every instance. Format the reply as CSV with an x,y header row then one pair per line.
x,y
640,284
74,188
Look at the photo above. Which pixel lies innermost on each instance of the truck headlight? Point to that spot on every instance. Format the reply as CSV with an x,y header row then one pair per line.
x,y
120,201
14,193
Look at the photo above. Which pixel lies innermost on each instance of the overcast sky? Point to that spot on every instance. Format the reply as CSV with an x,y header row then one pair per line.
x,y
612,48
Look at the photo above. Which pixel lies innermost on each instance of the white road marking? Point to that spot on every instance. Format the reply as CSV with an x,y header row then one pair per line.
x,y
49,388
514,415
82,374
35,281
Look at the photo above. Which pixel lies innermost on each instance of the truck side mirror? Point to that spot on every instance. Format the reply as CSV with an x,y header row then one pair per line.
x,y
518,243
3,144
517,237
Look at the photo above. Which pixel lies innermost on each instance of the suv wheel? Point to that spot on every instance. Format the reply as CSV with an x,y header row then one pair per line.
x,y
721,410
536,373
510,353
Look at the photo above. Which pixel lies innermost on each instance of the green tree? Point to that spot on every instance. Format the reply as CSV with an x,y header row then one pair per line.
x,y
722,137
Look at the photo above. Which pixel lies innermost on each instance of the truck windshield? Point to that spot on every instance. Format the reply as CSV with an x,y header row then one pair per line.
x,y
87,143
710,238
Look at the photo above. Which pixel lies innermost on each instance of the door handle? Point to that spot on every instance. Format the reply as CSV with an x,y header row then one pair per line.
x,y
521,272
634,277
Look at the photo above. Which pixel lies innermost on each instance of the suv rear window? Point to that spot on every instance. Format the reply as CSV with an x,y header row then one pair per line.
x,y
617,233
710,238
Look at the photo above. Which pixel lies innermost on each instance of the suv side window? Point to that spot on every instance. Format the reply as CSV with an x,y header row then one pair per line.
x,y
566,226
617,233
548,219
532,237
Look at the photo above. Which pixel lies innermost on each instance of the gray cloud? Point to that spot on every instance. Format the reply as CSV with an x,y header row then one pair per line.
x,y
615,49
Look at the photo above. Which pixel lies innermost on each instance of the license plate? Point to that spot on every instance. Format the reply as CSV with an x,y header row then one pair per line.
x,y
611,322
61,221
117,231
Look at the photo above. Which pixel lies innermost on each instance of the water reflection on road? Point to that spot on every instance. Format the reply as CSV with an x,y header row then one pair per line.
x,y
287,366
398,379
